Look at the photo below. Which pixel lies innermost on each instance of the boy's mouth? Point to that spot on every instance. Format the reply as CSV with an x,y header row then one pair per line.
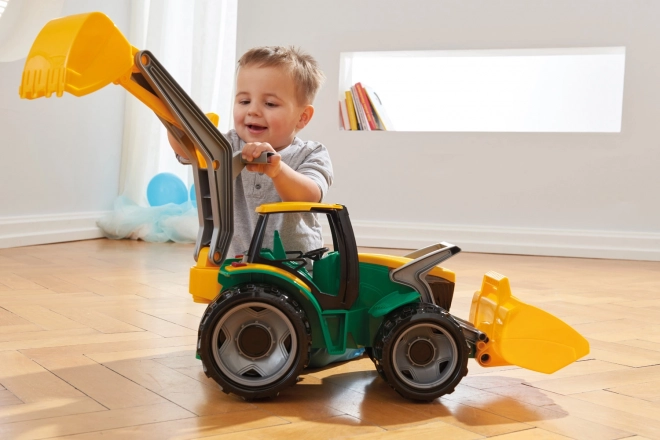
x,y
255,129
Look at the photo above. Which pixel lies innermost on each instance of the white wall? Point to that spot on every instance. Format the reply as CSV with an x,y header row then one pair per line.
x,y
60,156
570,194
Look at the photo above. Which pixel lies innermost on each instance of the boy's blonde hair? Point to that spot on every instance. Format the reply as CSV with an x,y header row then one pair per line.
x,y
303,68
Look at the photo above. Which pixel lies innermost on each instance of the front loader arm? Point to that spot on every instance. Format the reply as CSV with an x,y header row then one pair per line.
x,y
503,329
414,274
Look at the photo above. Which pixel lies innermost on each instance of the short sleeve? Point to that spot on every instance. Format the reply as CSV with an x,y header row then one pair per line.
x,y
318,167
234,140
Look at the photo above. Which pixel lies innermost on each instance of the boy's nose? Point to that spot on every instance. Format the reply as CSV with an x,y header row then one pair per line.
x,y
252,110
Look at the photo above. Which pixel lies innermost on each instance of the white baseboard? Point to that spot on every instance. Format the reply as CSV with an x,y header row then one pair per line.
x,y
51,228
55,228
500,240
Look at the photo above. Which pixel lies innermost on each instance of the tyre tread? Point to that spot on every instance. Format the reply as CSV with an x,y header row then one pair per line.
x,y
389,329
250,292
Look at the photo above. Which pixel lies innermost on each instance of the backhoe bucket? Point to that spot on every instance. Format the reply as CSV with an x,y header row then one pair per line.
x,y
81,54
520,334
78,54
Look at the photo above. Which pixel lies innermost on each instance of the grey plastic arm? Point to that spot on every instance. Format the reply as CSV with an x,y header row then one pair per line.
x,y
413,273
214,178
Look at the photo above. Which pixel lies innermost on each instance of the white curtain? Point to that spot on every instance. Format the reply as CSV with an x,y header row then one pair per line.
x,y
196,42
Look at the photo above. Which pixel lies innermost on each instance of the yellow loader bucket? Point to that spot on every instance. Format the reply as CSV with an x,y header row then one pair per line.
x,y
80,54
520,334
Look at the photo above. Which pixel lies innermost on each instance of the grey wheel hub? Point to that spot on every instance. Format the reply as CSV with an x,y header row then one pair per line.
x,y
254,344
424,356
421,352
254,340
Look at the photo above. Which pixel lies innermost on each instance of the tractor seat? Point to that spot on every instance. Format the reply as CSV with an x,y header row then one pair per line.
x,y
327,272
278,248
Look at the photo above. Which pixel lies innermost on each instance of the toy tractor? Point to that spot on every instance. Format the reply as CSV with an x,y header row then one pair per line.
x,y
269,308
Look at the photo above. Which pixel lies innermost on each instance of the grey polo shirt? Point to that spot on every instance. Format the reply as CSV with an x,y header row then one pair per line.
x,y
298,231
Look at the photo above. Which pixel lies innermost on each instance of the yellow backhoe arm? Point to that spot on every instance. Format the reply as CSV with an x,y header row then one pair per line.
x,y
80,54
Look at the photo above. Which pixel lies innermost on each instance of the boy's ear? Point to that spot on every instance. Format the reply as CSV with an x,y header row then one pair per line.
x,y
305,117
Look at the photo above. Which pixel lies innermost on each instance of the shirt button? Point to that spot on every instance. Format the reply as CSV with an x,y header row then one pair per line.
x,y
258,186
261,174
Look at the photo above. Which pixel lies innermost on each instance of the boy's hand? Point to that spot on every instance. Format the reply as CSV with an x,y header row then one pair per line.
x,y
176,146
253,150
289,184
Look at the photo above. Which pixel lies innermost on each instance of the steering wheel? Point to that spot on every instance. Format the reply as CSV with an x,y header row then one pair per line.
x,y
316,254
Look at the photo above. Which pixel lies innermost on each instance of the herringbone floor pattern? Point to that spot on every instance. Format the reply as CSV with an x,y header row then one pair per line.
x,y
97,341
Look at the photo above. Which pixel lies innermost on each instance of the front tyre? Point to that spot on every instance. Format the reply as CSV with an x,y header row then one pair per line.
x,y
422,352
254,341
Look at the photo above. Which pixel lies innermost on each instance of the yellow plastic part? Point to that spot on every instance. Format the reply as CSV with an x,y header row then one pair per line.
x,y
214,118
266,268
78,54
393,262
81,54
293,206
203,284
520,334
147,98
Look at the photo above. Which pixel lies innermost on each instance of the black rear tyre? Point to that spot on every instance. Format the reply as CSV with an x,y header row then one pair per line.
x,y
422,352
379,369
254,341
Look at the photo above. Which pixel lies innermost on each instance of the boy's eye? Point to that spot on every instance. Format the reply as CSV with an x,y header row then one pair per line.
x,y
271,104
243,102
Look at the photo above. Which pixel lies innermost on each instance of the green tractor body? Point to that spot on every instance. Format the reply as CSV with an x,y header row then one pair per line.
x,y
333,301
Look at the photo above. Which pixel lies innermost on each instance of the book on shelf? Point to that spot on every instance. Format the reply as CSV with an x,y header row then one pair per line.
x,y
368,112
359,110
364,109
350,107
379,111
343,115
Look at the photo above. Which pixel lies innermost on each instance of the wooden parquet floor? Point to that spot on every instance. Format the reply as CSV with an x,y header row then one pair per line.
x,y
97,341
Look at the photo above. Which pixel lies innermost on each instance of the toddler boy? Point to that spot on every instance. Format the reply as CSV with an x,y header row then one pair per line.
x,y
275,89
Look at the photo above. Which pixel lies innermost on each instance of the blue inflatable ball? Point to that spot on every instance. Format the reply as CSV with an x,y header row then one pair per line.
x,y
193,199
166,188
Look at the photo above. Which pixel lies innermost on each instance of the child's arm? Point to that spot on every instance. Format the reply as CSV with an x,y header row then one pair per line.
x,y
289,184
176,146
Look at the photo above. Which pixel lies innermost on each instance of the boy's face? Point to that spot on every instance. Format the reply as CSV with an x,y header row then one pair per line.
x,y
266,108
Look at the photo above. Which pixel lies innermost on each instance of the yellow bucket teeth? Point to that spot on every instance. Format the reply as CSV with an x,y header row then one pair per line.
x,y
42,81
78,54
